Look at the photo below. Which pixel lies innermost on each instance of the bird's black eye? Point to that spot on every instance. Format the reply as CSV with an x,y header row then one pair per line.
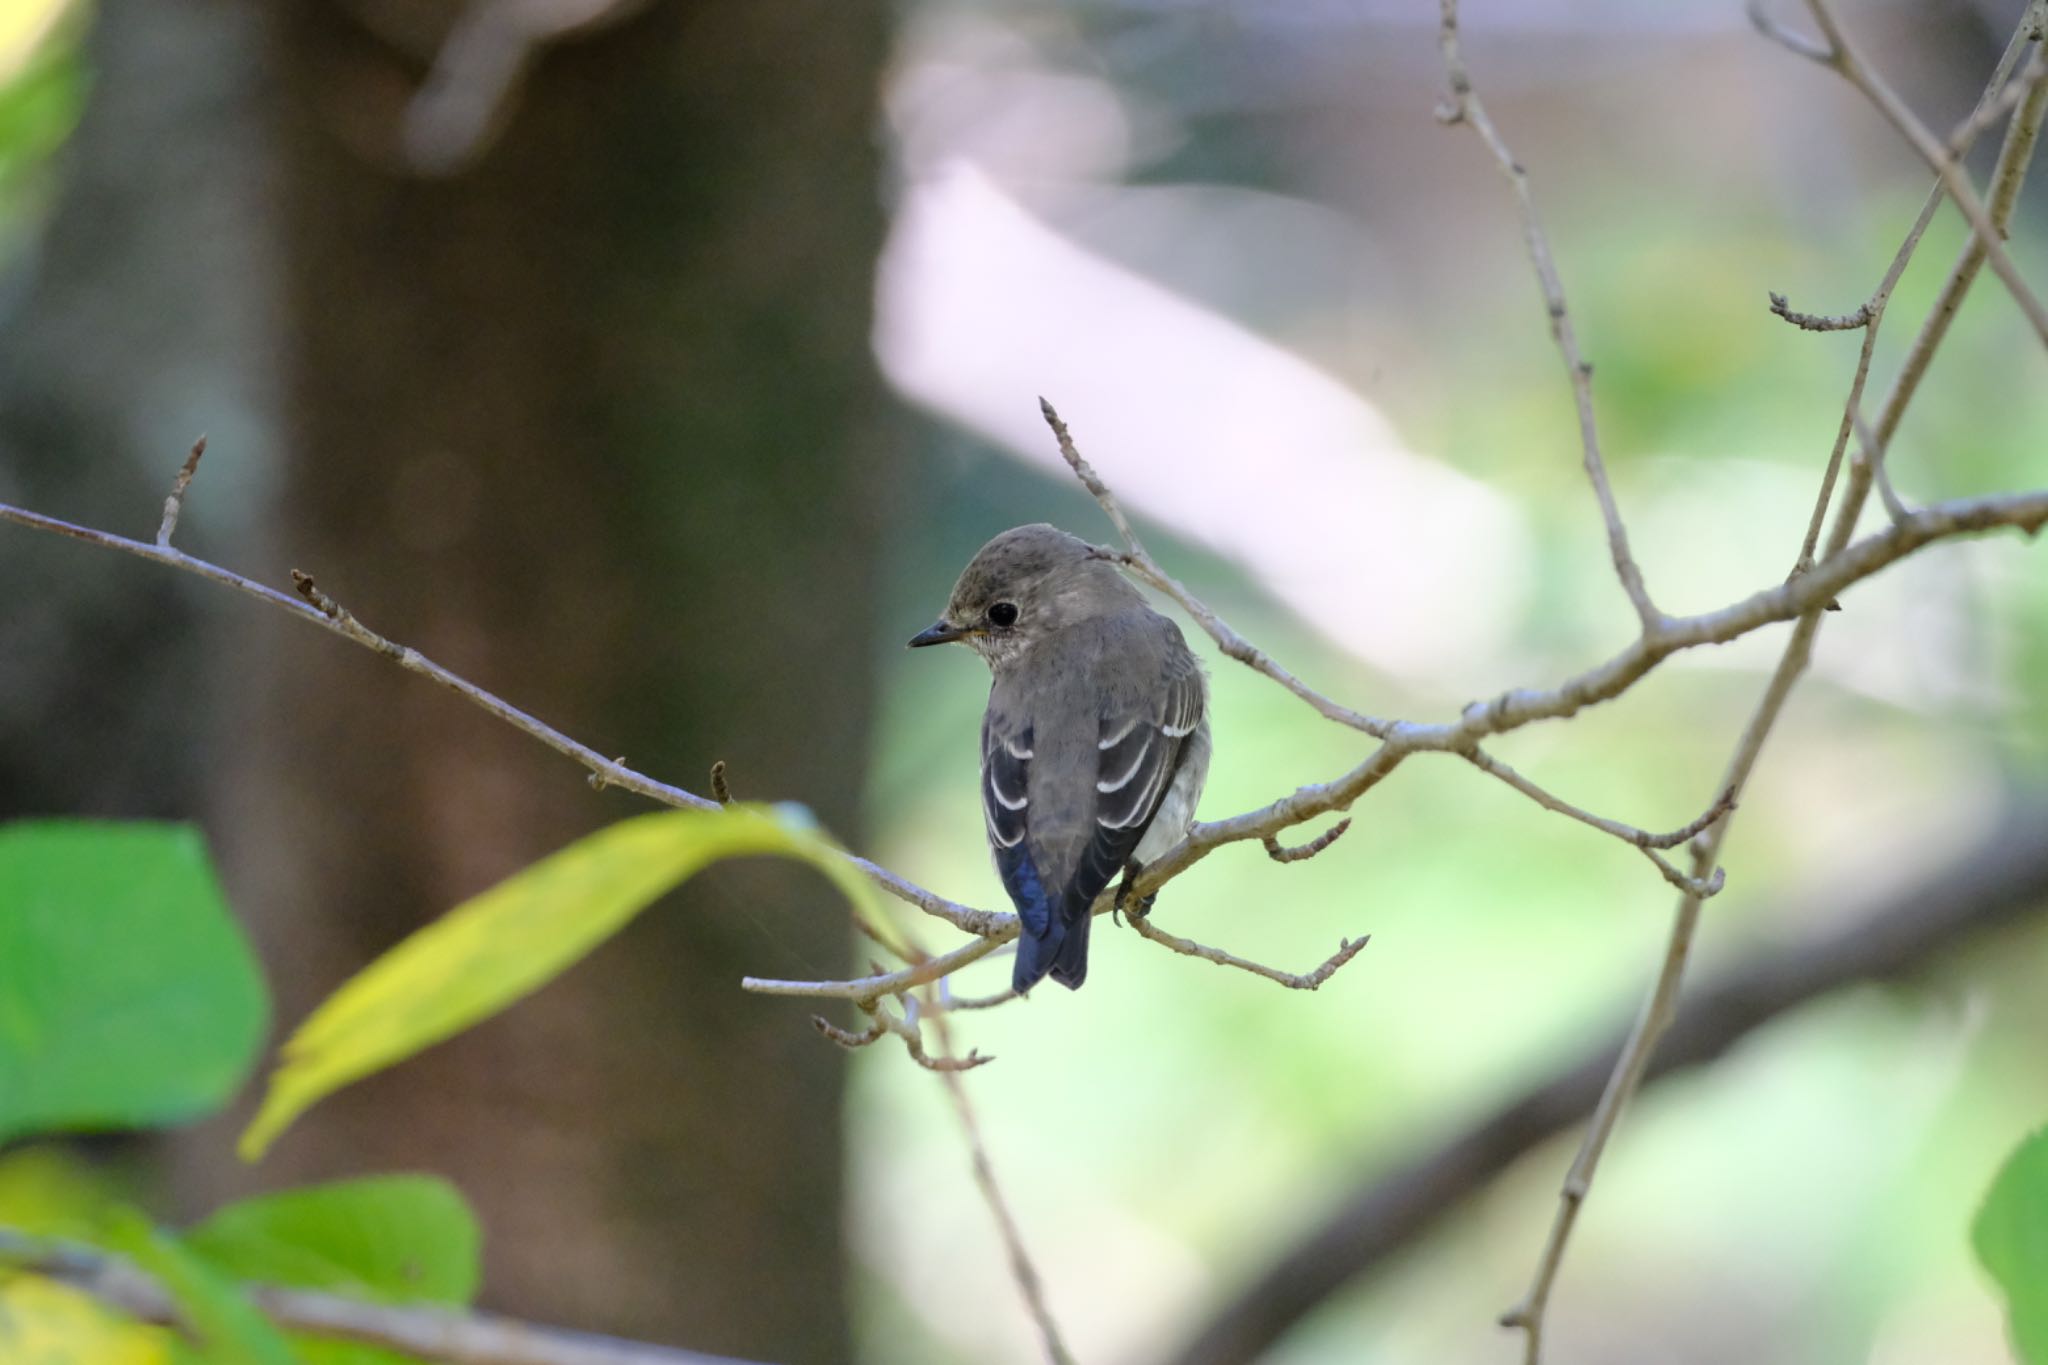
x,y
1003,614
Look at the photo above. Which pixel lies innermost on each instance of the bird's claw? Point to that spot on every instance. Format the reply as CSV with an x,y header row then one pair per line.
x,y
1138,907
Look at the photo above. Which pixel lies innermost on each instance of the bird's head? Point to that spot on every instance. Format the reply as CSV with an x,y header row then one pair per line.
x,y
1026,584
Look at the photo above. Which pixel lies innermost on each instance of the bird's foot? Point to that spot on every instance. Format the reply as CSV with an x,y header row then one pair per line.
x,y
1137,907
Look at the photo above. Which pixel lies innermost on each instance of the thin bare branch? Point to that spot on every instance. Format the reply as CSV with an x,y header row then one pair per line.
x,y
314,606
1302,981
1134,557
1874,315
430,1333
847,1038
1463,106
872,988
1508,711
1280,853
882,1024
1022,1270
1091,481
1658,1008
1648,844
175,503
2008,175
1791,39
1990,888
960,1004
1871,456
2004,187
1941,160
1816,322
1993,109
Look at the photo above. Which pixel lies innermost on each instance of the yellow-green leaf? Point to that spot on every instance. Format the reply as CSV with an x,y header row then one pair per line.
x,y
514,938
53,1324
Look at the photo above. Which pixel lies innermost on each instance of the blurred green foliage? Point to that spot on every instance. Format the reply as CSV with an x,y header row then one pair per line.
x,y
128,996
390,1239
2011,1237
40,102
227,1328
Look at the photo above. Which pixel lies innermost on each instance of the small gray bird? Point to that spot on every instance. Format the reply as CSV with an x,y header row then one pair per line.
x,y
1096,740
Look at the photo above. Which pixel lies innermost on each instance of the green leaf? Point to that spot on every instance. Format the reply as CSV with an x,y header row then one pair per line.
x,y
394,1238
128,995
2011,1237
509,941
211,1305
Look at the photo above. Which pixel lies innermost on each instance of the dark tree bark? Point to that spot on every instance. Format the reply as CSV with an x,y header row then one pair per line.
x,y
593,422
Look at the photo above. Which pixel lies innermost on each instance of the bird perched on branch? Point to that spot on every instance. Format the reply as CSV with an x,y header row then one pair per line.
x,y
1096,740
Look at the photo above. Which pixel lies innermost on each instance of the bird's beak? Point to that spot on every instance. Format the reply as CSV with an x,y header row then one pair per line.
x,y
940,633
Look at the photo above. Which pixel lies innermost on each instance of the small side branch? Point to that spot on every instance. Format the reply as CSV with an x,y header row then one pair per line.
x,y
1134,557
1872,454
1305,981
1462,105
1092,481
1791,39
1850,64
1022,1270
175,503
1640,839
1816,322
882,1023
2006,176
1280,853
868,989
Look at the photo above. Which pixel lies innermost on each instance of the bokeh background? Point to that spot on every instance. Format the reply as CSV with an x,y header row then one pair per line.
x,y
663,387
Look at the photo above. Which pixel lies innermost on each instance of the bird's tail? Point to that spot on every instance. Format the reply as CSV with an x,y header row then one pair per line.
x,y
1062,954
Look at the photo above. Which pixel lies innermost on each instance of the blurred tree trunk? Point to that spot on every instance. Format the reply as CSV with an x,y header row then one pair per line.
x,y
594,423
140,319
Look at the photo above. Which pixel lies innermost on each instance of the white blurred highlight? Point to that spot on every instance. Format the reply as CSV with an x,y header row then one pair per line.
x,y
1197,423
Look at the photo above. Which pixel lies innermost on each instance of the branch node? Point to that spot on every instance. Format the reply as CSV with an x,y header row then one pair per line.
x,y
319,600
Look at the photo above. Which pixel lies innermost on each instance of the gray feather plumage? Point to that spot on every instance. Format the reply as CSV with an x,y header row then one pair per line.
x,y
1095,744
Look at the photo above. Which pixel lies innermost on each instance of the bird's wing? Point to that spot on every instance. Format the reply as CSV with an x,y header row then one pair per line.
x,y
1006,755
1137,748
1139,752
